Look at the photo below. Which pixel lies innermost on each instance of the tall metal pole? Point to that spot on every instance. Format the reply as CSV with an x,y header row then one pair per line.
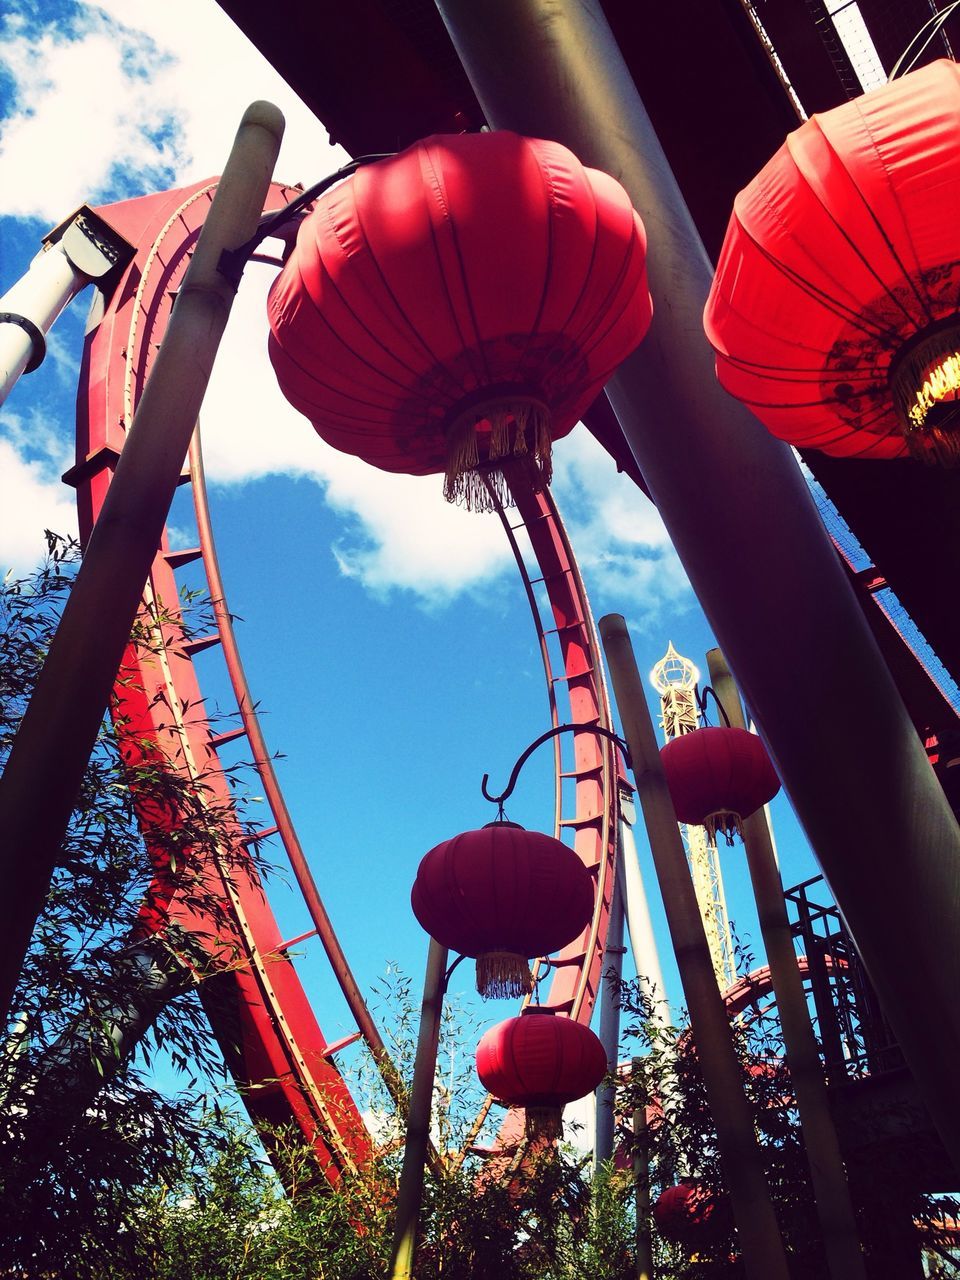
x,y
641,1179
831,1191
646,958
410,1191
763,1255
609,1029
53,744
752,542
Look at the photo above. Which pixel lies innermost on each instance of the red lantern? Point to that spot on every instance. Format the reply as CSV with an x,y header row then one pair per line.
x,y
683,1213
540,1061
460,304
503,895
718,777
834,311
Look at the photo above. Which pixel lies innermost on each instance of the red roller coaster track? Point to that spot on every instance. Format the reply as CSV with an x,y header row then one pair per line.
x,y
257,1006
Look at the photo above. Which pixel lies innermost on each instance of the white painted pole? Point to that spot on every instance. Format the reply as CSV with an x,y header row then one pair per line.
x,y
643,944
84,250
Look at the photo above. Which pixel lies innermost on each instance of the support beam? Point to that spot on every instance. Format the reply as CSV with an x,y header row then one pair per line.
x,y
763,1255
609,1030
752,544
828,1177
410,1190
55,738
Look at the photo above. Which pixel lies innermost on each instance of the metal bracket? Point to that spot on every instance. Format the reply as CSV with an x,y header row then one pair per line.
x,y
37,339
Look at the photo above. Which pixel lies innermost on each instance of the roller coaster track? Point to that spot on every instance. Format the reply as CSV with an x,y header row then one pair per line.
x,y
251,992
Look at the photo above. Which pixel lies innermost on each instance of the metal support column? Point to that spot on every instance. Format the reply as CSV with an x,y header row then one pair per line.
x,y
751,542
830,1188
80,251
763,1255
55,738
609,1030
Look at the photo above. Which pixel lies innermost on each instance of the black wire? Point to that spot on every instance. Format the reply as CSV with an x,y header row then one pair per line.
x,y
233,261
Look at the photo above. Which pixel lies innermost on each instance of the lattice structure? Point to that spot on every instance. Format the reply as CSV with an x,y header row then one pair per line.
x,y
675,679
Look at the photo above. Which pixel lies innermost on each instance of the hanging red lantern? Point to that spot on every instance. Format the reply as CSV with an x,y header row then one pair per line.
x,y
460,304
503,895
835,311
717,777
540,1061
685,1212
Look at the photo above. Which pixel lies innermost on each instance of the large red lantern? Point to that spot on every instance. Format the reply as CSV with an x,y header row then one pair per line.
x,y
503,895
835,311
460,304
685,1212
540,1061
717,777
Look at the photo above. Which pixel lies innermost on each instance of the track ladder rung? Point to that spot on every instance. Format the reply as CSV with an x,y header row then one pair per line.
x,y
190,647
177,559
262,834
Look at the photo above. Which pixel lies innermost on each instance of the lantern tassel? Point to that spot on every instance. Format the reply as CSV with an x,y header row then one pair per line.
x,y
724,822
517,429
544,1124
503,975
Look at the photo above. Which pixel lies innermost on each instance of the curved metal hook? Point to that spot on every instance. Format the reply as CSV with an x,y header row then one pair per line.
x,y
233,261
544,737
702,704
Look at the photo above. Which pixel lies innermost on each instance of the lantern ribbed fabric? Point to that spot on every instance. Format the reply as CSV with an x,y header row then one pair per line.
x,y
503,895
837,291
459,303
683,1212
540,1061
718,777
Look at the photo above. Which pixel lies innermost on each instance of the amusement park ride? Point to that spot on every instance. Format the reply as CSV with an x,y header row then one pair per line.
x,y
410,82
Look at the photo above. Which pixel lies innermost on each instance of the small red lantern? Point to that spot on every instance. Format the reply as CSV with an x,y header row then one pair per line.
x,y
503,895
717,777
684,1213
834,311
540,1061
460,304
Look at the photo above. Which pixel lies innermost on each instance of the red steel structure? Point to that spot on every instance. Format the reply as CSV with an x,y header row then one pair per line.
x,y
259,1011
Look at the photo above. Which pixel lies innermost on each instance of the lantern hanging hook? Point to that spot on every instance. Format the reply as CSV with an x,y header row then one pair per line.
x,y
233,261
702,704
544,737
449,974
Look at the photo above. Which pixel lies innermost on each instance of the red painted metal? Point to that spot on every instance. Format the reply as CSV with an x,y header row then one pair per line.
x,y
258,1008
256,1004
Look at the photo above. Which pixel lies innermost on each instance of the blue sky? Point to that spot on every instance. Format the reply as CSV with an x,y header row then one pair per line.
x,y
386,635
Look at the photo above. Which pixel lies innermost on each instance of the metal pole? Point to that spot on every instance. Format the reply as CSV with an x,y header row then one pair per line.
x,y
609,1030
763,1255
646,959
58,731
831,1191
82,250
641,1179
410,1191
752,542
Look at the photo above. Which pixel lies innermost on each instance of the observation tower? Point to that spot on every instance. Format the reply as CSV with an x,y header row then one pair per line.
x,y
675,679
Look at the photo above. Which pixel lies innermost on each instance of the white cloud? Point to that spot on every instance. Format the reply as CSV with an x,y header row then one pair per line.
x,y
31,500
154,92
